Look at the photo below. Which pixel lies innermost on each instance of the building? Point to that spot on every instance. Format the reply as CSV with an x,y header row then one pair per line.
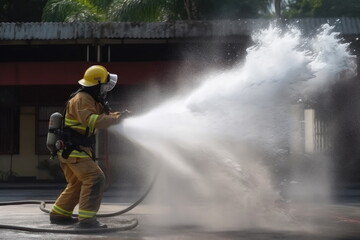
x,y
40,64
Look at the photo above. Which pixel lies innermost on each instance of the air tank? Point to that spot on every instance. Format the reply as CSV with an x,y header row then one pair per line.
x,y
55,124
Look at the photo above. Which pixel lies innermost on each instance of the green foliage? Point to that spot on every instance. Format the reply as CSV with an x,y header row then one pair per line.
x,y
151,10
169,10
137,10
322,8
232,9
102,4
21,10
73,11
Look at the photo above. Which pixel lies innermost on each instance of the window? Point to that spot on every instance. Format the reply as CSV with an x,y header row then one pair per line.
x,y
9,130
43,116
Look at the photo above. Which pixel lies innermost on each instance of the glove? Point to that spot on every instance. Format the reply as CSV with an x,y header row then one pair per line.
x,y
120,116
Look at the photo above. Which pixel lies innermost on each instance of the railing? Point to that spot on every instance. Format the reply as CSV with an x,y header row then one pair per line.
x,y
322,142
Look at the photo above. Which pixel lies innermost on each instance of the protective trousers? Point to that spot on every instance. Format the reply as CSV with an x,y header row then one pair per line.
x,y
86,182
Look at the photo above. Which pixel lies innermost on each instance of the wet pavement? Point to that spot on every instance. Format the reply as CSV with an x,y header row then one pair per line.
x,y
308,221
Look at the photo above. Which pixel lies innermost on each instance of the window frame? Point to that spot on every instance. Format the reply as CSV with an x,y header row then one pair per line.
x,y
10,120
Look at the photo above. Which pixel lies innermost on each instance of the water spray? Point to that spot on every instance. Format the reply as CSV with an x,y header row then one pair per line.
x,y
217,144
227,134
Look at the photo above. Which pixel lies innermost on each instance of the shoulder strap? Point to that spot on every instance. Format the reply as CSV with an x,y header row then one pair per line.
x,y
64,111
81,89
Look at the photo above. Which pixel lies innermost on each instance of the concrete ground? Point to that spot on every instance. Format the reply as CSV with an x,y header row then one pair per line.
x,y
310,222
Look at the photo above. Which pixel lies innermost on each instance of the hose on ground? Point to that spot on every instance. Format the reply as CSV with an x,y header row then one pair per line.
x,y
42,204
128,226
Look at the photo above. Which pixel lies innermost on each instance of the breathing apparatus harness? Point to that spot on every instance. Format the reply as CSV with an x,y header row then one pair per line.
x,y
67,139
63,137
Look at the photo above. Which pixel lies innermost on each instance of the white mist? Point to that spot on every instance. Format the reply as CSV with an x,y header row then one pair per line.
x,y
215,143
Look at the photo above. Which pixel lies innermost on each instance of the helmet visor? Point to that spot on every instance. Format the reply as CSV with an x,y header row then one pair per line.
x,y
108,86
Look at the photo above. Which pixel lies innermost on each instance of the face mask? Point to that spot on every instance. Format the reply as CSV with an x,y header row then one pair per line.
x,y
107,87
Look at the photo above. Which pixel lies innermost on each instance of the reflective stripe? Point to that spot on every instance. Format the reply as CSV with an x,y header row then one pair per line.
x,y
86,214
77,154
79,127
61,211
69,121
92,121
74,124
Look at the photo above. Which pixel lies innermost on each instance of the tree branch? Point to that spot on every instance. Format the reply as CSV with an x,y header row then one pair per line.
x,y
187,4
278,8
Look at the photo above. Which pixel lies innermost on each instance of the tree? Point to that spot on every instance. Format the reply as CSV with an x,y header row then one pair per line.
x,y
21,10
277,5
169,10
75,10
151,10
322,8
233,9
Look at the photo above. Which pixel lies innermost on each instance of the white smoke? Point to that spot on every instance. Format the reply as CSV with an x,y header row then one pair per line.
x,y
215,142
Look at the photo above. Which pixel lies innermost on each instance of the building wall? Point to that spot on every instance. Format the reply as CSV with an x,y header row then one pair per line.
x,y
38,78
25,163
5,163
31,98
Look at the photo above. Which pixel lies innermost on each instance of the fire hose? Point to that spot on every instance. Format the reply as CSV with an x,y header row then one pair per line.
x,y
42,204
55,124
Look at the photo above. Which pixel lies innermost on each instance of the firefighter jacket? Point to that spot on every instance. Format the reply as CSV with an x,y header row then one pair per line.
x,y
85,115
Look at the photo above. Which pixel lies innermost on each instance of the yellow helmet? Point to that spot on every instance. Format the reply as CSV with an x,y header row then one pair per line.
x,y
94,75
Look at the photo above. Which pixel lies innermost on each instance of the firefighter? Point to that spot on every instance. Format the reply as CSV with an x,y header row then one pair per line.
x,y
85,112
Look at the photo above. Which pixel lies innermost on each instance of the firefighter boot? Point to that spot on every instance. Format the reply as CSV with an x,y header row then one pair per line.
x,y
62,220
91,223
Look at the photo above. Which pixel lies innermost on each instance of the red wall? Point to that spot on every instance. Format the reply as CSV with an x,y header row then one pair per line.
x,y
67,73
